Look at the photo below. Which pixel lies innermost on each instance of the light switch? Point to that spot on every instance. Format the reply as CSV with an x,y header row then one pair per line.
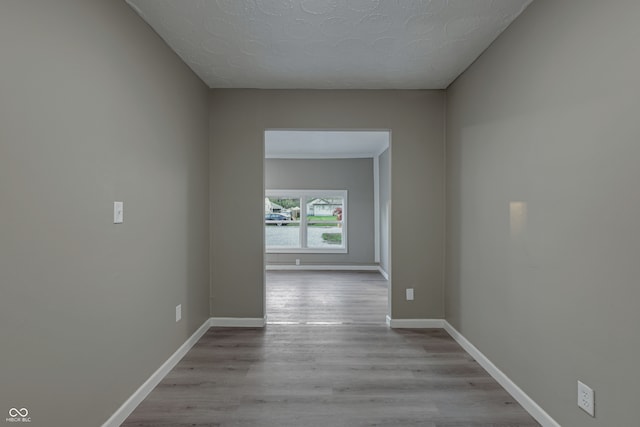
x,y
118,212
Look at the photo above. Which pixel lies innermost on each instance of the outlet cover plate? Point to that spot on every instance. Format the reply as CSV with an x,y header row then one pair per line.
x,y
585,398
409,294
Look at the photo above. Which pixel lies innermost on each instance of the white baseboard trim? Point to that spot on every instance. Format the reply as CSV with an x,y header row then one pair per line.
x,y
312,267
516,392
143,391
384,273
239,322
415,323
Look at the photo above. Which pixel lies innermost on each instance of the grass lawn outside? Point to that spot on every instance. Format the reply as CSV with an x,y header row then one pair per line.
x,y
332,238
322,221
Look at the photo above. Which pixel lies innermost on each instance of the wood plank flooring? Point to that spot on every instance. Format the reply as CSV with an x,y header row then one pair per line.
x,y
326,296
351,374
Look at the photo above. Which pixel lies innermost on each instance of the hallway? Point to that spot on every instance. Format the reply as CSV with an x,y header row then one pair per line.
x,y
326,358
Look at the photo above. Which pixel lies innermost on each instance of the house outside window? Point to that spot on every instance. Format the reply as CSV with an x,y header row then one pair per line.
x,y
303,221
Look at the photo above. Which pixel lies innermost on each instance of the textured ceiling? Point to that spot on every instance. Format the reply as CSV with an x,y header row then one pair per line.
x,y
329,44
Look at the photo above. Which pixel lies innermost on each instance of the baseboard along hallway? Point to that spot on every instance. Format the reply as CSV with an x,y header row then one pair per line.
x,y
321,362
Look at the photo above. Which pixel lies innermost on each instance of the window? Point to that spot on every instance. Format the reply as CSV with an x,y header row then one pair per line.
x,y
306,221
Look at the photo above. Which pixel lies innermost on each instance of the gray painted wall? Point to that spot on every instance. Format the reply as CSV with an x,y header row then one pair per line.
x,y
385,208
353,175
238,121
94,107
548,116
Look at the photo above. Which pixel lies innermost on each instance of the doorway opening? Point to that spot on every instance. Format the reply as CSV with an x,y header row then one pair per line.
x,y
327,198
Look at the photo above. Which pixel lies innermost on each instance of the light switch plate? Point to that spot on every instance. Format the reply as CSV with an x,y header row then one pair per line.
x,y
118,212
178,312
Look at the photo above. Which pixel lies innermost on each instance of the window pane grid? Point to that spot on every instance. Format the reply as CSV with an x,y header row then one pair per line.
x,y
310,220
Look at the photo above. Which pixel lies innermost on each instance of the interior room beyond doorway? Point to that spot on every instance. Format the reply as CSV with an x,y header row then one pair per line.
x,y
326,297
327,197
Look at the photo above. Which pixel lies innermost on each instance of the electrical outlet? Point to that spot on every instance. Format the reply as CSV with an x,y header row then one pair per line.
x,y
297,261
409,294
585,398
178,312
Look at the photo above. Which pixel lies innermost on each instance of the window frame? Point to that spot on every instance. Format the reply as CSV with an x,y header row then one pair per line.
x,y
305,196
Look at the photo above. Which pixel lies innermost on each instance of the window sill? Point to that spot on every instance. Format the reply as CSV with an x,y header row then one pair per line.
x,y
307,251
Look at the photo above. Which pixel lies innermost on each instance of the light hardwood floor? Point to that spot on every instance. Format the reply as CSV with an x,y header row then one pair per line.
x,y
358,373
350,297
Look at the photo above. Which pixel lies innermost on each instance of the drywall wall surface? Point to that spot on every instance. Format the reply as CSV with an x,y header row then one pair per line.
x,y
353,175
94,108
385,209
238,121
543,206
